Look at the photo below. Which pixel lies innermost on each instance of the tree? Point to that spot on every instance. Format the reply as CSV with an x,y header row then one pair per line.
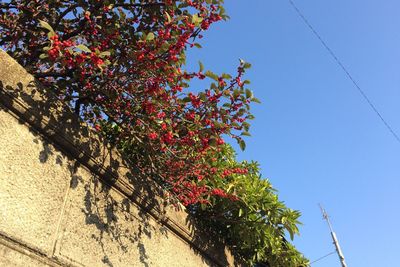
x,y
119,65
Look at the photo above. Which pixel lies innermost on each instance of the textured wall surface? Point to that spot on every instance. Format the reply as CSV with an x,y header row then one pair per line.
x,y
68,200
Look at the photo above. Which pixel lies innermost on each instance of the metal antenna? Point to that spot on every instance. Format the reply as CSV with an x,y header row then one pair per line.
x,y
335,241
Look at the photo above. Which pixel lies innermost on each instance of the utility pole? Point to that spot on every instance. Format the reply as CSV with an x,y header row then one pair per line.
x,y
335,241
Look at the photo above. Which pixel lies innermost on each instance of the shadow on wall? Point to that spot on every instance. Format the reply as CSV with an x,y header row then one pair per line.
x,y
48,116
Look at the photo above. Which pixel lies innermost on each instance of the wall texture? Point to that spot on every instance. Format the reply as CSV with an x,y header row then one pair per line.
x,y
67,199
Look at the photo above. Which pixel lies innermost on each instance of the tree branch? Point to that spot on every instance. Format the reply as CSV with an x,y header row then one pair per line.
x,y
51,74
63,14
127,5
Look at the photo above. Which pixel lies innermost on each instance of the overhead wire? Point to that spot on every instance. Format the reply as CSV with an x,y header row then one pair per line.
x,y
341,65
323,257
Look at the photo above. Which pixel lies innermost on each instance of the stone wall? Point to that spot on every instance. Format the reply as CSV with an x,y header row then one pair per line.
x,y
67,199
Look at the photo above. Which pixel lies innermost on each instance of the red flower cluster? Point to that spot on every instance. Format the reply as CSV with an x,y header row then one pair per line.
x,y
59,46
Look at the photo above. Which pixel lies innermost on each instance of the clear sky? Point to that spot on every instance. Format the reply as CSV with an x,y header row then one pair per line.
x,y
317,140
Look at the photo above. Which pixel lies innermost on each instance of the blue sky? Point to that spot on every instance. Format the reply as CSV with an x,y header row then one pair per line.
x,y
317,140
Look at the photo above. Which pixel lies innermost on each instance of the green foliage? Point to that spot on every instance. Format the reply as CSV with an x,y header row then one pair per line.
x,y
256,226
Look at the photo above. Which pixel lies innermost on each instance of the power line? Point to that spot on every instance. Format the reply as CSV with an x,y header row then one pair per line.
x,y
323,257
366,98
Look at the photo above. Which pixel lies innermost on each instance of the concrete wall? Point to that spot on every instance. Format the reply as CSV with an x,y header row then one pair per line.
x,y
67,199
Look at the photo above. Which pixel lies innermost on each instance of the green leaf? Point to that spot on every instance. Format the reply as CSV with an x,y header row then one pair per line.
x,y
246,82
105,54
150,36
168,17
212,142
196,20
202,96
186,99
249,93
45,25
242,144
211,75
226,76
236,93
291,233
246,65
197,45
84,48
165,47
201,66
